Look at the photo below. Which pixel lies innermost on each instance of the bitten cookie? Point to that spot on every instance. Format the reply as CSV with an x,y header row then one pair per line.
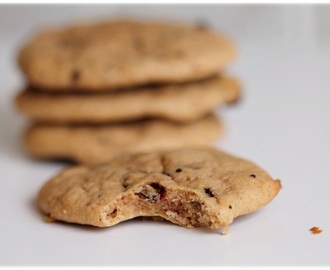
x,y
180,103
98,143
192,187
122,53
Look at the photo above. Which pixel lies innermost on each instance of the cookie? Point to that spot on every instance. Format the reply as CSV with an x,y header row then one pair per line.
x,y
122,53
191,187
98,143
180,103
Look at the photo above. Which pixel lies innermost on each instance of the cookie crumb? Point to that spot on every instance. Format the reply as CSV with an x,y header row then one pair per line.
x,y
315,230
225,230
48,218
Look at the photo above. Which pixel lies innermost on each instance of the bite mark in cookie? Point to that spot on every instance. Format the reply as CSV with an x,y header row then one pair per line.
x,y
211,189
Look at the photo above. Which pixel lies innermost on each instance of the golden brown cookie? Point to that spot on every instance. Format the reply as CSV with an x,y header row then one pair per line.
x,y
180,103
90,144
122,53
192,187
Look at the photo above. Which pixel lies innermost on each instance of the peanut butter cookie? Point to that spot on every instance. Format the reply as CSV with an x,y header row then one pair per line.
x,y
122,53
90,144
179,103
191,187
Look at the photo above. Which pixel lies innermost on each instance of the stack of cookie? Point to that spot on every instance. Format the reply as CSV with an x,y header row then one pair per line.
x,y
97,90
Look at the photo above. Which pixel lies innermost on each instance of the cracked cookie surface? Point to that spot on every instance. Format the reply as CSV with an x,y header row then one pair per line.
x,y
122,53
191,187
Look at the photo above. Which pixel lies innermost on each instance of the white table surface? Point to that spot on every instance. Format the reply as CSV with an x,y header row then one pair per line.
x,y
282,123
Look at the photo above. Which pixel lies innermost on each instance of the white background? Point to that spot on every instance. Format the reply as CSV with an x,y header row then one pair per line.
x,y
282,123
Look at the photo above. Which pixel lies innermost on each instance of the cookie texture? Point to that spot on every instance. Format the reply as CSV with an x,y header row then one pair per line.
x,y
91,144
180,103
191,187
122,53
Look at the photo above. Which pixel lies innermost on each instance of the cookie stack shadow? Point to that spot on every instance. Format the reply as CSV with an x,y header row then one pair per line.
x,y
98,90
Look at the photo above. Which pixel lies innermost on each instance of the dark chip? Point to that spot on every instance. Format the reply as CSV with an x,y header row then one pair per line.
x,y
125,185
208,192
150,196
138,43
113,214
159,189
178,170
253,175
202,25
75,75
